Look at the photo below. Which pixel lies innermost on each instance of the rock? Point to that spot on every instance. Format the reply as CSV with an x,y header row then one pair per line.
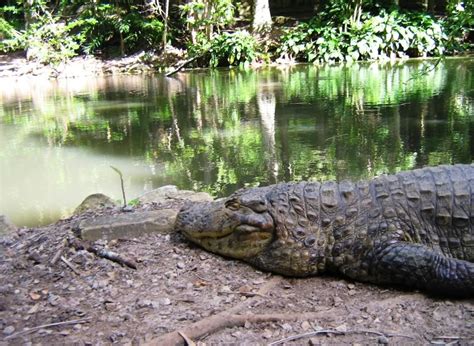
x,y
95,201
128,225
171,192
6,226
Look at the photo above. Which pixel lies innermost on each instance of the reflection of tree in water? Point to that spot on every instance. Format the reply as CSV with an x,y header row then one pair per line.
x,y
266,103
224,129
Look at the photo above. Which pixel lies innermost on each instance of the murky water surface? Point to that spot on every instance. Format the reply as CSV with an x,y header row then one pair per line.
x,y
220,130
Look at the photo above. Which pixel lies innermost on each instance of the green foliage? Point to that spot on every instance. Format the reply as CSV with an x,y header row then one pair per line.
x,y
10,39
54,31
49,41
374,37
459,19
238,48
105,24
204,14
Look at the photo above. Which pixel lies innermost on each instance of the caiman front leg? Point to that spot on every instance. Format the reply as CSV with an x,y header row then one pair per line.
x,y
416,265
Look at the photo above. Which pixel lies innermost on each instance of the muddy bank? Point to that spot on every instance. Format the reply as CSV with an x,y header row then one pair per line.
x,y
16,66
55,292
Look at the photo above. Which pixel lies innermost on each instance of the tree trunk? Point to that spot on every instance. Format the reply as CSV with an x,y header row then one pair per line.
x,y
165,29
262,19
30,13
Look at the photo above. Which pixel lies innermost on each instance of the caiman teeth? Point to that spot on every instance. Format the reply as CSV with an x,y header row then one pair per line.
x,y
207,234
247,229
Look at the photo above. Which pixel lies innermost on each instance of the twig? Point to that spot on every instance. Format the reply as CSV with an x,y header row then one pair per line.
x,y
245,294
452,337
100,252
28,242
121,184
184,63
58,253
34,329
305,335
110,255
336,332
70,265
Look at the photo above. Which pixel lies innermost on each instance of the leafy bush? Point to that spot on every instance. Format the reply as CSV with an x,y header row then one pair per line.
x,y
104,24
375,37
457,23
10,39
238,48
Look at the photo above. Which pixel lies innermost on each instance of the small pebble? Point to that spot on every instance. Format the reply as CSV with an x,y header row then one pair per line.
x,y
382,340
305,326
180,265
287,327
9,330
164,301
267,334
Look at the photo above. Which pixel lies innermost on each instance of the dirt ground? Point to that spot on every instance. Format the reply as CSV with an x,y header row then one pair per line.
x,y
179,287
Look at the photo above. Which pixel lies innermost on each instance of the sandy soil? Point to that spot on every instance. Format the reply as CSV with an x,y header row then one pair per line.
x,y
177,285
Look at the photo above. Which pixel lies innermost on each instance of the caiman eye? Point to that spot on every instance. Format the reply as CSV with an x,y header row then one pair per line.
x,y
232,205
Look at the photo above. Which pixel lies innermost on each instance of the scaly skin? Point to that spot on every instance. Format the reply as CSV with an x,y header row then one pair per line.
x,y
413,228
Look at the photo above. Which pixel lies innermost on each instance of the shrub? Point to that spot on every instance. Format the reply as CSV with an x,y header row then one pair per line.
x,y
49,41
238,48
105,24
375,37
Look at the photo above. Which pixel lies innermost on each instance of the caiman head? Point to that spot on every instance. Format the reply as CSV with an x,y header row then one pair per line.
x,y
238,227
245,226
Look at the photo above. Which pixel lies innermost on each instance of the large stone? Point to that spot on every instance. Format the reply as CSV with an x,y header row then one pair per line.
x,y
94,202
170,192
128,225
6,227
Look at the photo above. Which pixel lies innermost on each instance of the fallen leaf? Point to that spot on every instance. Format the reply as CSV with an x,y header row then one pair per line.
x,y
35,296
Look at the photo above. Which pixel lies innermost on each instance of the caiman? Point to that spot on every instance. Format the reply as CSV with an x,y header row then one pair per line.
x,y
414,228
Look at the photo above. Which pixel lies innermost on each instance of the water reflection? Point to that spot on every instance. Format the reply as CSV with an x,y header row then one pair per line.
x,y
223,129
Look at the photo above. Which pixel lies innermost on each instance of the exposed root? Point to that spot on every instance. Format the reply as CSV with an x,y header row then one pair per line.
x,y
216,322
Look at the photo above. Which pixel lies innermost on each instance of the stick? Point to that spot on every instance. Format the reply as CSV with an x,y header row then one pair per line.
x,y
70,265
100,252
245,294
184,63
58,253
110,255
121,184
34,329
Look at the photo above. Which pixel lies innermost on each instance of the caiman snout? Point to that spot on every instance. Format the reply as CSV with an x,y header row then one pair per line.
x,y
230,227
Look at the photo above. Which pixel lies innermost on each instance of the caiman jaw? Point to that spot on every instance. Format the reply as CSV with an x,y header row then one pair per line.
x,y
238,233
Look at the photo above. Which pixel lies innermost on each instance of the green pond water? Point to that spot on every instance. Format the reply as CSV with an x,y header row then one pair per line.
x,y
220,130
